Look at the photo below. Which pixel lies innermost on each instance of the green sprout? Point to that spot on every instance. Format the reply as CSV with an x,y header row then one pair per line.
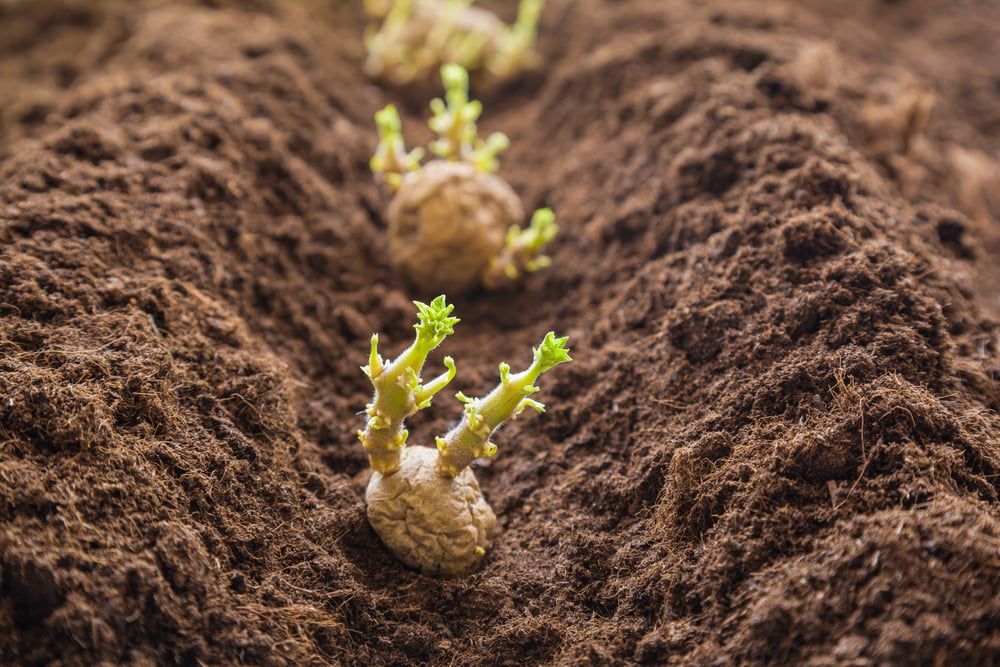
x,y
455,116
391,159
466,44
522,251
471,438
398,389
389,43
515,48
484,157
454,121
443,37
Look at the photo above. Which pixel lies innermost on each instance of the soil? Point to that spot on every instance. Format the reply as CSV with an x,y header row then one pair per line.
x,y
779,441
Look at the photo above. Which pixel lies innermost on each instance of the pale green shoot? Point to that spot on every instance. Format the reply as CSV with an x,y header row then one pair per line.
x,y
523,248
515,48
470,439
443,33
484,158
532,240
398,389
465,47
455,116
389,50
391,159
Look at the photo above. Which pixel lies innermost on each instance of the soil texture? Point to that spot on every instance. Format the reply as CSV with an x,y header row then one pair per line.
x,y
778,265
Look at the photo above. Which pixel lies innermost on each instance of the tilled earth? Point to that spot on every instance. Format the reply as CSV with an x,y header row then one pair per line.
x,y
779,441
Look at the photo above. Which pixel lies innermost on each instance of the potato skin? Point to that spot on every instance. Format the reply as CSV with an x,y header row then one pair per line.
x,y
439,525
446,222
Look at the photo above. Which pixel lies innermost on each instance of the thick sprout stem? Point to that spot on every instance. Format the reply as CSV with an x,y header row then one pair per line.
x,y
522,251
515,48
442,33
465,47
455,117
470,439
398,389
391,159
389,50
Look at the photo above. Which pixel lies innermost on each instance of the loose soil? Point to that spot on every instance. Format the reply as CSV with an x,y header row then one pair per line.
x,y
778,266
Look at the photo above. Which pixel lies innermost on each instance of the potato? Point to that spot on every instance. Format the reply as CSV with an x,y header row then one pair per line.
x,y
447,222
440,525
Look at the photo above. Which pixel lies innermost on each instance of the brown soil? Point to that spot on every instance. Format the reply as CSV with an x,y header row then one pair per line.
x,y
779,268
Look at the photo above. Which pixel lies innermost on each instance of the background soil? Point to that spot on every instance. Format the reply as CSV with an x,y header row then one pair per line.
x,y
780,439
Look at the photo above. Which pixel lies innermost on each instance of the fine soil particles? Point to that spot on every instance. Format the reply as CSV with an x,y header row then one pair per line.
x,y
778,266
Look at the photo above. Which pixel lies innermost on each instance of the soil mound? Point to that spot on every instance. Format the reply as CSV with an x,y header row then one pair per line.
x,y
777,266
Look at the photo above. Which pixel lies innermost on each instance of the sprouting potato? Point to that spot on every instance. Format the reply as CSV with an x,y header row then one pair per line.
x,y
425,504
453,223
418,36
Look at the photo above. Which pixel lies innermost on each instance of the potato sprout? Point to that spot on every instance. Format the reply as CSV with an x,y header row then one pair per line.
x,y
453,223
391,157
425,504
418,36
522,250
398,390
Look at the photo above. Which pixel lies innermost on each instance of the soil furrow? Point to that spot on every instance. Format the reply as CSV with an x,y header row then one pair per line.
x,y
777,266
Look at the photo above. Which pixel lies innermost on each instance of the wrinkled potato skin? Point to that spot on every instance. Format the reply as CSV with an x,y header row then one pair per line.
x,y
447,222
429,522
